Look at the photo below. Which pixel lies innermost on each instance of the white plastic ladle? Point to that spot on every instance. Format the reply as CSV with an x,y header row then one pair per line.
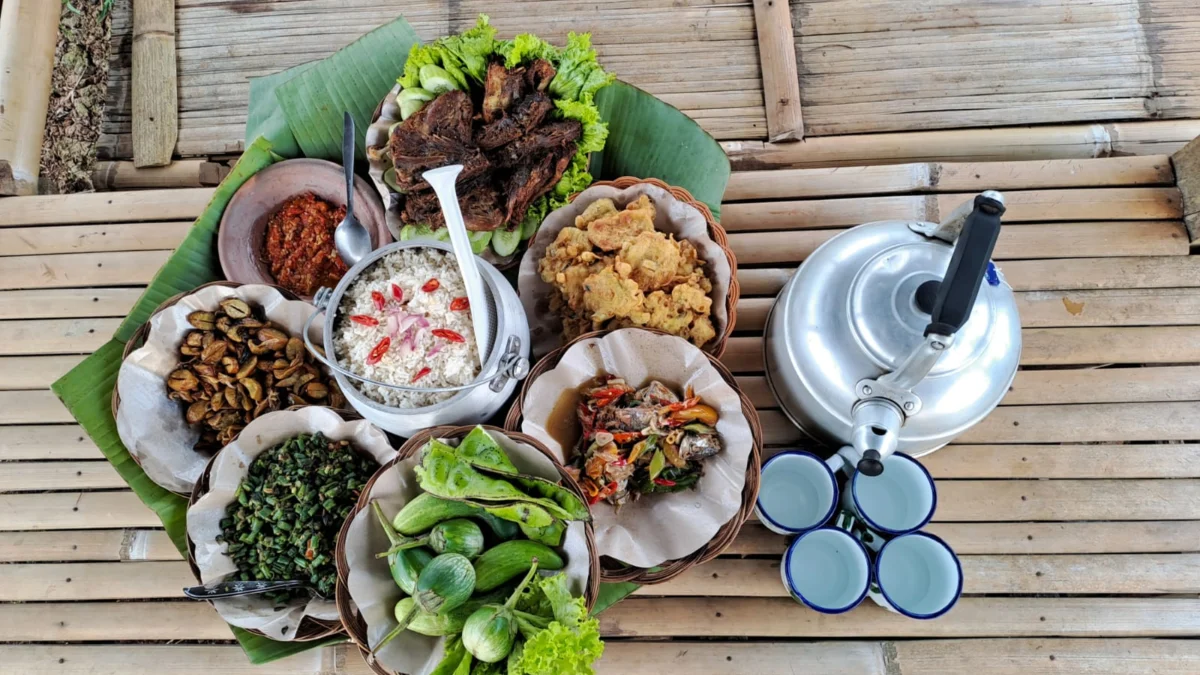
x,y
442,180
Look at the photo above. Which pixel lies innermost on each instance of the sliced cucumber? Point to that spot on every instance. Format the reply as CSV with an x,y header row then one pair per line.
x,y
529,227
479,241
410,107
389,179
436,80
414,94
408,232
505,242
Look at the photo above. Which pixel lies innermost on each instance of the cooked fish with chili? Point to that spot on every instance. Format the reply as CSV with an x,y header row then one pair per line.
x,y
640,441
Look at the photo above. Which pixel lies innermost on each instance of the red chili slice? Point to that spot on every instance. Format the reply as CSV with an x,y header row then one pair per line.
x,y
431,285
460,305
364,320
397,293
378,351
421,373
447,334
378,299
664,482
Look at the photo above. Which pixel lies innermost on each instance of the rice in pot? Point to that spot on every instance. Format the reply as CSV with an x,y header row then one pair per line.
x,y
405,321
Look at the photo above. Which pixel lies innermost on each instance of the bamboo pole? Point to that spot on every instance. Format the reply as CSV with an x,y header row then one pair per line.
x,y
155,96
781,82
183,173
28,35
1070,141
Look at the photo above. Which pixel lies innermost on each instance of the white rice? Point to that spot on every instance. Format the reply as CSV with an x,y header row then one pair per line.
x,y
450,363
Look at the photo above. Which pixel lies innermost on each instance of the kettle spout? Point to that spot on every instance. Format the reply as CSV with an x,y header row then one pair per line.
x,y
876,434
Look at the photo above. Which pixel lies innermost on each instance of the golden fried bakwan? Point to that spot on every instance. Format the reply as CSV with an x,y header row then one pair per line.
x,y
614,270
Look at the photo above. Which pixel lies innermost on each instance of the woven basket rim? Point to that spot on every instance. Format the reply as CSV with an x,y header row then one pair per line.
x,y
352,620
316,628
718,234
615,571
138,339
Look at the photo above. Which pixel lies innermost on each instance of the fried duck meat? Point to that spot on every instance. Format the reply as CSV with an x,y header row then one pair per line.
x,y
511,153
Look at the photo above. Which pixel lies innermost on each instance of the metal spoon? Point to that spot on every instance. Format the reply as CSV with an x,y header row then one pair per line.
x,y
233,589
442,181
351,239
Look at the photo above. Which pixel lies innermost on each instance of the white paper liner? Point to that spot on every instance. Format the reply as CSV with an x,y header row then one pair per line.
x,y
229,469
657,527
152,426
671,216
370,582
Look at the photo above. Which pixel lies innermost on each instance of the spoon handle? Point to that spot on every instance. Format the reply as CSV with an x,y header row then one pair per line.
x,y
233,589
348,161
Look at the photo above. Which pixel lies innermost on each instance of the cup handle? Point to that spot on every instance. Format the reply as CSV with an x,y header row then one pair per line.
x,y
849,522
840,462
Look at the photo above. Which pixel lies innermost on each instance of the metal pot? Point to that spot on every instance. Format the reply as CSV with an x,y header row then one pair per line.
x,y
505,364
888,338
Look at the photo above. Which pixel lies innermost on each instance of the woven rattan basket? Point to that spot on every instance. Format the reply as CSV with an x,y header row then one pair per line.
x,y
356,626
721,341
309,629
612,571
139,338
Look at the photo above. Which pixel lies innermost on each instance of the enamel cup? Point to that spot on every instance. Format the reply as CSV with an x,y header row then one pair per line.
x,y
797,493
917,575
827,569
900,500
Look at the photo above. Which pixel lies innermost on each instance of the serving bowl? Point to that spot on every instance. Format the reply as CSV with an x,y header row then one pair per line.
x,y
366,591
659,536
676,213
244,223
505,364
298,620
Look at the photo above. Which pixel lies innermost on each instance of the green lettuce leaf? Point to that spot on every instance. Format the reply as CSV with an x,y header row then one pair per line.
x,y
579,73
586,113
472,48
560,650
419,55
525,48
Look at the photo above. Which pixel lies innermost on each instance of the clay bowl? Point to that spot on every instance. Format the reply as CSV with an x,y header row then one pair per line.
x,y
244,223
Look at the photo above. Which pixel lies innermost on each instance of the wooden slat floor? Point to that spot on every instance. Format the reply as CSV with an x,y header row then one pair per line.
x,y
1075,506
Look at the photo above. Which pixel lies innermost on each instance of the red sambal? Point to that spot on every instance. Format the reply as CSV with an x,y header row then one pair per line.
x,y
299,244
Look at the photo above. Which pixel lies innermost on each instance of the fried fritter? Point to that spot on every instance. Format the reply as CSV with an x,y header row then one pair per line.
x,y
654,259
614,270
606,295
611,232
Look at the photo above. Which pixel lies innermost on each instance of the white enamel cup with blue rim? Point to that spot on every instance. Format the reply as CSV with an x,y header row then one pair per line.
x,y
900,500
797,493
917,575
827,569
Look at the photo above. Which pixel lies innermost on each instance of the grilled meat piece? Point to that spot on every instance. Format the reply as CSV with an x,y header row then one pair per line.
x,y
698,446
528,182
414,153
527,114
501,87
547,137
448,115
539,74
478,198
656,393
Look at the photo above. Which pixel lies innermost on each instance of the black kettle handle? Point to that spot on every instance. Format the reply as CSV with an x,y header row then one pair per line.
x,y
950,300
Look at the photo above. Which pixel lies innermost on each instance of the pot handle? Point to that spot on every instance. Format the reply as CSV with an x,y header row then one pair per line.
x,y
949,301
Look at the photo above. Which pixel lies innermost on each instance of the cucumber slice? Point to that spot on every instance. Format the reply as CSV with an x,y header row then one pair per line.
x,y
529,227
389,179
408,232
436,80
505,242
479,241
414,94
410,107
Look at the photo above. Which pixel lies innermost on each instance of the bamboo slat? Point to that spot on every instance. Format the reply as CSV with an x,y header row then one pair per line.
x,y
155,99
1152,460
1136,574
181,173
972,617
75,511
81,269
92,238
781,84
55,336
949,177
105,207
42,476
34,372
32,407
87,545
94,581
1062,141
67,303
60,441
1179,536
28,33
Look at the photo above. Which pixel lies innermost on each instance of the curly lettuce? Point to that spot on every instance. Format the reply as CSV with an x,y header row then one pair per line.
x,y
464,55
567,645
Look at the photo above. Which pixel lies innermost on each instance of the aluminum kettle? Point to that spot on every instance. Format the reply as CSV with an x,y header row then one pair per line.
x,y
896,335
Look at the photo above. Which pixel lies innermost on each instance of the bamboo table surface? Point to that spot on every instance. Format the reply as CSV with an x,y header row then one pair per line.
x,y
1075,506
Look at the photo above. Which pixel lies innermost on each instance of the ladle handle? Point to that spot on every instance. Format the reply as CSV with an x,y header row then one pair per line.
x,y
348,160
953,297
